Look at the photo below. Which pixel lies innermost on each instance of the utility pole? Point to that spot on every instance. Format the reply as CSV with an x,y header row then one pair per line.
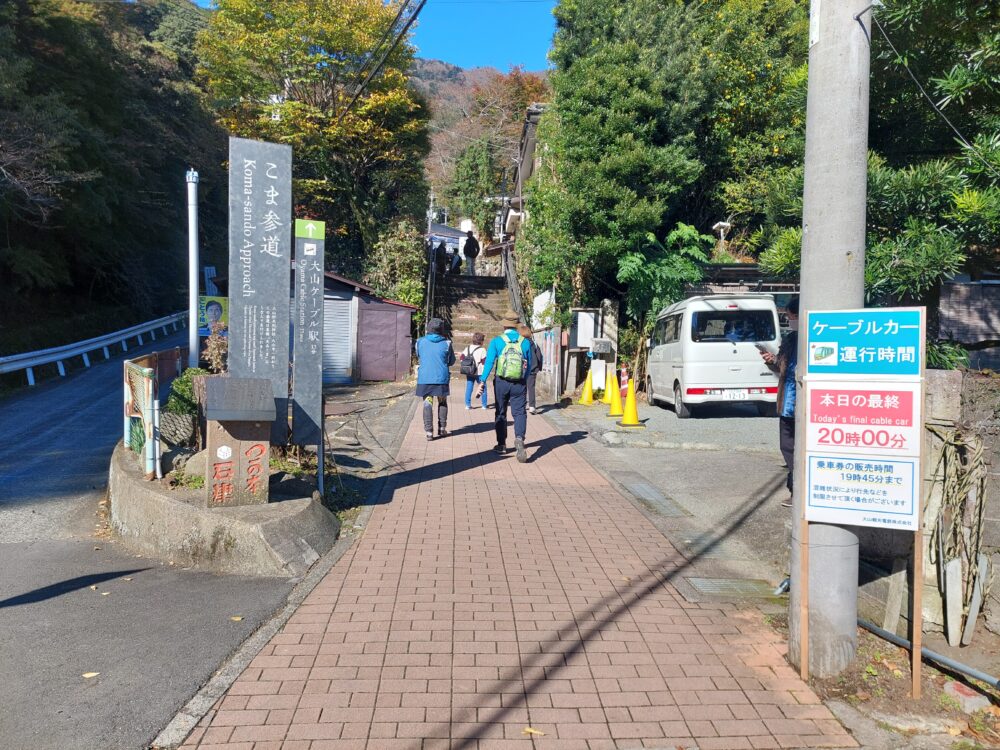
x,y
833,263
193,264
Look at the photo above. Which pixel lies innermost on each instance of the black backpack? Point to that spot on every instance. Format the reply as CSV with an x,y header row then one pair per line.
x,y
468,366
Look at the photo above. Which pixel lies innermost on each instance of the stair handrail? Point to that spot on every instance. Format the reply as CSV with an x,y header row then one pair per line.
x,y
513,285
431,284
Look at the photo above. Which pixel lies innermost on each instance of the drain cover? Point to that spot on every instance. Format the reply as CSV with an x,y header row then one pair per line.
x,y
647,493
736,588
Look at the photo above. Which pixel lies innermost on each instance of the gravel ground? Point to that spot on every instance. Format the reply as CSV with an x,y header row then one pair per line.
x,y
737,427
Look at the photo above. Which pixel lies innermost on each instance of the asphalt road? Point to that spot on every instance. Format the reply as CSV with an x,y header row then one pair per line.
x,y
721,500
153,639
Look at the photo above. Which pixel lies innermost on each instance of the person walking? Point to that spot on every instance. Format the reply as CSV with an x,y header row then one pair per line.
x,y
441,258
784,366
536,366
473,358
471,250
435,356
511,354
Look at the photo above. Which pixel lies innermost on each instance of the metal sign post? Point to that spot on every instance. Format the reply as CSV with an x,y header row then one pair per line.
x,y
260,217
864,396
307,366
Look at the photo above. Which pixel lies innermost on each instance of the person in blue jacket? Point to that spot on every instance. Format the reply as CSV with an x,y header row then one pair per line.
x,y
435,355
510,353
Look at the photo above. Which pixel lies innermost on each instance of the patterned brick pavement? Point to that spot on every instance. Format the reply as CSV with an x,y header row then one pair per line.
x,y
491,604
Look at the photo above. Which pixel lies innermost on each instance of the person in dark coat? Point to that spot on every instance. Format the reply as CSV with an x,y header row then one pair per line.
x,y
536,366
441,258
471,250
783,364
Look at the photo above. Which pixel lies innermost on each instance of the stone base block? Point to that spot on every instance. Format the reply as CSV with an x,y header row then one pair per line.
x,y
277,539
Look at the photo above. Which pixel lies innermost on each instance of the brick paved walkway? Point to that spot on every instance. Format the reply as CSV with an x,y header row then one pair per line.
x,y
487,597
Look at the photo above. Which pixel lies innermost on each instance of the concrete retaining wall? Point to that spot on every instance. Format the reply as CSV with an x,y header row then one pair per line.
x,y
278,539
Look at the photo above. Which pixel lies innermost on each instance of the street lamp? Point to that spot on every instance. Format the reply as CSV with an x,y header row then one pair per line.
x,y
191,177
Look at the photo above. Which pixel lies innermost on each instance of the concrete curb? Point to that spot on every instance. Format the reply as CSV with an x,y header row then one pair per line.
x,y
277,539
616,438
195,709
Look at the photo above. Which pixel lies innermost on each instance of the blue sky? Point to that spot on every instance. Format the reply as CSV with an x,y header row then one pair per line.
x,y
500,33
474,33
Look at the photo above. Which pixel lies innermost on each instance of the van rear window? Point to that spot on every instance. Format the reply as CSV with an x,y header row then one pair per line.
x,y
732,325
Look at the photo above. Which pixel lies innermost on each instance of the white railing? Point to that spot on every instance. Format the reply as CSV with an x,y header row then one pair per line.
x,y
58,354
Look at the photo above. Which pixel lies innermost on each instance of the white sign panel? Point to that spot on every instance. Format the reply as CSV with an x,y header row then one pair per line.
x,y
862,491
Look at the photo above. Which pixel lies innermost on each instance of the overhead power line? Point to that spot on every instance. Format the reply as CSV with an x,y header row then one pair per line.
x,y
375,71
378,47
962,139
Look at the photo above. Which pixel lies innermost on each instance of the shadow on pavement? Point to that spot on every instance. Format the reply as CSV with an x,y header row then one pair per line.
x,y
568,644
64,587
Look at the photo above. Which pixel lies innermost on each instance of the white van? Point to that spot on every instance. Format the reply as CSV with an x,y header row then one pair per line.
x,y
707,350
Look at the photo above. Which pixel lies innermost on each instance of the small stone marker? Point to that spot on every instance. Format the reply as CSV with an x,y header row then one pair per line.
x,y
239,413
969,700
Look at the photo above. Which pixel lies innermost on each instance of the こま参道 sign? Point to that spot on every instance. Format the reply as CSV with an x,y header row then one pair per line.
x,y
260,208
307,367
886,341
864,416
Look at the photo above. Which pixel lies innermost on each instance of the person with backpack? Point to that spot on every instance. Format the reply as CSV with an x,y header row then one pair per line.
x,y
472,367
536,366
471,250
511,354
435,355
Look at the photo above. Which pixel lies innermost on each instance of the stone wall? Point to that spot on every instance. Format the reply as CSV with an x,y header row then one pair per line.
x,y
980,415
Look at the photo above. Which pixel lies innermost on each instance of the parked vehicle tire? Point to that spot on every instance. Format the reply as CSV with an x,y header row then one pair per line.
x,y
650,398
765,409
682,410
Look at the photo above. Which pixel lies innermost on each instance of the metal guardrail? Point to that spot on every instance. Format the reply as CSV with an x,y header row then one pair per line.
x,y
58,354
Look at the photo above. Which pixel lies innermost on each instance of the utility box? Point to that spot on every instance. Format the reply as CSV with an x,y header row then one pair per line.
x,y
238,414
586,325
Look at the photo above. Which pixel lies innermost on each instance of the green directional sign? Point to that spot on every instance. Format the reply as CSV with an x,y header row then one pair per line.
x,y
310,229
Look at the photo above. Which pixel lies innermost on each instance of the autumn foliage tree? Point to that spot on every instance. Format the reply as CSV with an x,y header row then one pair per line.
x,y
473,151
286,71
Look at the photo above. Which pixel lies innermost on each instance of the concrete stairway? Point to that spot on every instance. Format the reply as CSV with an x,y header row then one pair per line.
x,y
468,304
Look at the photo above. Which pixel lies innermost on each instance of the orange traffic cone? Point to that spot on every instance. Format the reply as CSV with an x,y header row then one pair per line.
x,y
608,380
616,399
587,395
631,416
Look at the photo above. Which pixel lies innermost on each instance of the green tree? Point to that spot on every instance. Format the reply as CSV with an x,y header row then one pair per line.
x,y
286,72
619,145
397,266
476,185
97,124
655,276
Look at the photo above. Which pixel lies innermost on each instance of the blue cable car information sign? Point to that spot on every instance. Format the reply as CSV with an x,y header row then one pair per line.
x,y
869,343
260,226
863,399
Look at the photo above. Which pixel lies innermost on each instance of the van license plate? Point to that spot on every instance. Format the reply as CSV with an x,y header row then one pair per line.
x,y
735,395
